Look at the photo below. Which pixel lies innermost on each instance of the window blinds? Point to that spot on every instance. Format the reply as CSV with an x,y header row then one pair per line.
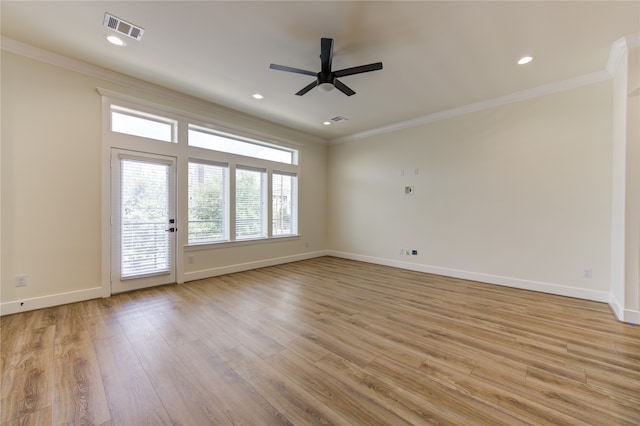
x,y
145,243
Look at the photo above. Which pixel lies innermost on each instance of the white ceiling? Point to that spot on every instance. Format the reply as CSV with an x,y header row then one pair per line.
x,y
436,55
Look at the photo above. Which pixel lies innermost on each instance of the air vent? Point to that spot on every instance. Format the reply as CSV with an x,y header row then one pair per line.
x,y
123,27
338,119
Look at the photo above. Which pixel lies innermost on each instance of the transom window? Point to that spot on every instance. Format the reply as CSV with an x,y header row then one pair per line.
x,y
137,123
208,139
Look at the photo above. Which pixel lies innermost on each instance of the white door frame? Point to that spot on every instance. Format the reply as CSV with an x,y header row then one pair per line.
x,y
118,284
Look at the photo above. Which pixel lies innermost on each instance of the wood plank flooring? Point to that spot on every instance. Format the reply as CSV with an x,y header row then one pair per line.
x,y
323,341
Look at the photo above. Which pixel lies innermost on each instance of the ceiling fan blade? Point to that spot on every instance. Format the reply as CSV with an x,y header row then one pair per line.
x,y
290,69
307,88
358,70
326,54
343,87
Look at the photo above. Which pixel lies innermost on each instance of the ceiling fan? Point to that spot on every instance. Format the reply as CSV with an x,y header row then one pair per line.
x,y
326,79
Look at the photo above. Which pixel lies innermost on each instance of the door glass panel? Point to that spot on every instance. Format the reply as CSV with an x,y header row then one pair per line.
x,y
145,204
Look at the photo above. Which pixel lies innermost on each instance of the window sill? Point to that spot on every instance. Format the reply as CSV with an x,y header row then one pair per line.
x,y
237,243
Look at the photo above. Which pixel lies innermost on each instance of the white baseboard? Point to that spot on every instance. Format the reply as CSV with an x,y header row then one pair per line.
x,y
13,307
631,316
557,289
230,269
616,307
624,315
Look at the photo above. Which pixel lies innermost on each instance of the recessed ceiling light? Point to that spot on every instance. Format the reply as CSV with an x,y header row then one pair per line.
x,y
257,96
116,40
525,60
327,123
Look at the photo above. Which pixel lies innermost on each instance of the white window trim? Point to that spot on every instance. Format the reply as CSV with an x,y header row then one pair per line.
x,y
184,153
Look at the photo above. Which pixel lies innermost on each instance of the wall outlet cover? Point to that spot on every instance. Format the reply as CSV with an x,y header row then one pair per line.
x,y
21,280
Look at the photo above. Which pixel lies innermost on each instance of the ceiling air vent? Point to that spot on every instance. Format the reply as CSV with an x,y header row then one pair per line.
x,y
337,119
123,27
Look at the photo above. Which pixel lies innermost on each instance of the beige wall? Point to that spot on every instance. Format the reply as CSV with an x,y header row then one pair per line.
x,y
518,194
51,183
50,179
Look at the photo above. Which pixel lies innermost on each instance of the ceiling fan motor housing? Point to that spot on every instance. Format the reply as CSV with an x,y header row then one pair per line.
x,y
326,79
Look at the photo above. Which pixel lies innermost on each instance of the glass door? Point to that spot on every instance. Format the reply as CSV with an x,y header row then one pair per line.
x,y
143,225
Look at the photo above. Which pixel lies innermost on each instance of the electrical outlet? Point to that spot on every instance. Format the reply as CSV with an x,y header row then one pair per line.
x,y
408,190
21,280
190,260
414,252
587,273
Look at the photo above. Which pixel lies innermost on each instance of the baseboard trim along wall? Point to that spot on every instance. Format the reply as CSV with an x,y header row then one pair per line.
x,y
230,269
632,317
560,290
23,305
625,315
616,307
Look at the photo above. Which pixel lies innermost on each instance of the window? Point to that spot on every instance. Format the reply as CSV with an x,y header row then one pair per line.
x,y
236,188
141,124
250,204
283,204
207,139
208,202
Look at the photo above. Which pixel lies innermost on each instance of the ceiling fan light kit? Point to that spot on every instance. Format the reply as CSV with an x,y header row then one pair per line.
x,y
325,87
326,79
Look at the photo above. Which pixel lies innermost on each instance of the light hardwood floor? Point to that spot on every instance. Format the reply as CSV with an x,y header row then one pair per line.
x,y
323,341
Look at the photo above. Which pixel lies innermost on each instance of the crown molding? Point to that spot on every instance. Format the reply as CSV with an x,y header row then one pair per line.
x,y
618,49
617,52
45,56
633,41
523,95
